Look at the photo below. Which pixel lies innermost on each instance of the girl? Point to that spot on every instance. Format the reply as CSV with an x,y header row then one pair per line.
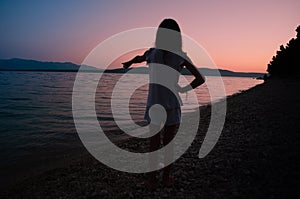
x,y
167,51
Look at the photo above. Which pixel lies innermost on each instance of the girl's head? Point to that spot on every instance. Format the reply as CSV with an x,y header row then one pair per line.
x,y
168,36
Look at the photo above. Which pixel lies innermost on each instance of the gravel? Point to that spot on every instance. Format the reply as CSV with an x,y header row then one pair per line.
x,y
255,157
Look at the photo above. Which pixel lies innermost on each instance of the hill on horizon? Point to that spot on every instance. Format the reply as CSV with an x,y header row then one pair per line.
x,y
17,64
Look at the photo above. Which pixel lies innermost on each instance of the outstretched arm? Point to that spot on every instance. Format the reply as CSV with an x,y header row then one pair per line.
x,y
137,59
199,79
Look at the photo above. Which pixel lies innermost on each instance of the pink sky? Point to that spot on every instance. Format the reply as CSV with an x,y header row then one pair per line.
x,y
238,35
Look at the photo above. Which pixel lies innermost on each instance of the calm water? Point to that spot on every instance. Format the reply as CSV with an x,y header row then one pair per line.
x,y
36,123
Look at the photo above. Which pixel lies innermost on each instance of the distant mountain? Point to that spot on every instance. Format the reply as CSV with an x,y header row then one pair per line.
x,y
33,65
204,71
214,72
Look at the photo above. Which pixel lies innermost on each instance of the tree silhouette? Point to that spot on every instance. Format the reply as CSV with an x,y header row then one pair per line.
x,y
286,62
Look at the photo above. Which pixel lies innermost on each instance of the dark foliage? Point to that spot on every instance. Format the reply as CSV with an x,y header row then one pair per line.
x,y
286,62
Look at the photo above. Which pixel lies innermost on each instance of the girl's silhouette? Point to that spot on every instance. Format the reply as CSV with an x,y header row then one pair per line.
x,y
167,51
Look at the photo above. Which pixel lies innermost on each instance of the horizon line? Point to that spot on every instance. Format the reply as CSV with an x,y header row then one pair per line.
x,y
48,61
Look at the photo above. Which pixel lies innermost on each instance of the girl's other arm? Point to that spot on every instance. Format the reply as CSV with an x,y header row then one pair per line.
x,y
199,79
137,59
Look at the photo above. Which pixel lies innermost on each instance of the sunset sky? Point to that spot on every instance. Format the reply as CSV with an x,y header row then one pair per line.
x,y
238,35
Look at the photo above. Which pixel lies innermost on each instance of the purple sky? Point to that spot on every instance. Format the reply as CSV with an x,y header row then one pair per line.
x,y
239,35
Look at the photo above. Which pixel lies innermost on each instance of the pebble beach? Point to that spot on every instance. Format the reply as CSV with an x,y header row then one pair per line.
x,y
256,156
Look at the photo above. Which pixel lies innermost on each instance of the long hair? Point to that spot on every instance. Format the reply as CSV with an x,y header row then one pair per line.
x,y
168,36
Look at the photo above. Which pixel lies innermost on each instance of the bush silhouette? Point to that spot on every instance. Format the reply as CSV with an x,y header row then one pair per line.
x,y
286,62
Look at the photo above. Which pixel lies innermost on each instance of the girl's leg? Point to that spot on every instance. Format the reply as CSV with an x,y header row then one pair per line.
x,y
153,160
169,134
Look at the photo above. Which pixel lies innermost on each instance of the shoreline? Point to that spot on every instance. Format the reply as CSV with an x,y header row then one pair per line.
x,y
254,157
35,165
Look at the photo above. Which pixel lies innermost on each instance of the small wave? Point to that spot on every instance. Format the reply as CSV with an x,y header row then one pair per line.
x,y
53,86
18,99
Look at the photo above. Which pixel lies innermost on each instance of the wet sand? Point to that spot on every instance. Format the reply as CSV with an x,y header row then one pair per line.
x,y
255,157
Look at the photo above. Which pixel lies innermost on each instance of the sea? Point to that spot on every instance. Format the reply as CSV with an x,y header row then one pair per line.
x,y
36,121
